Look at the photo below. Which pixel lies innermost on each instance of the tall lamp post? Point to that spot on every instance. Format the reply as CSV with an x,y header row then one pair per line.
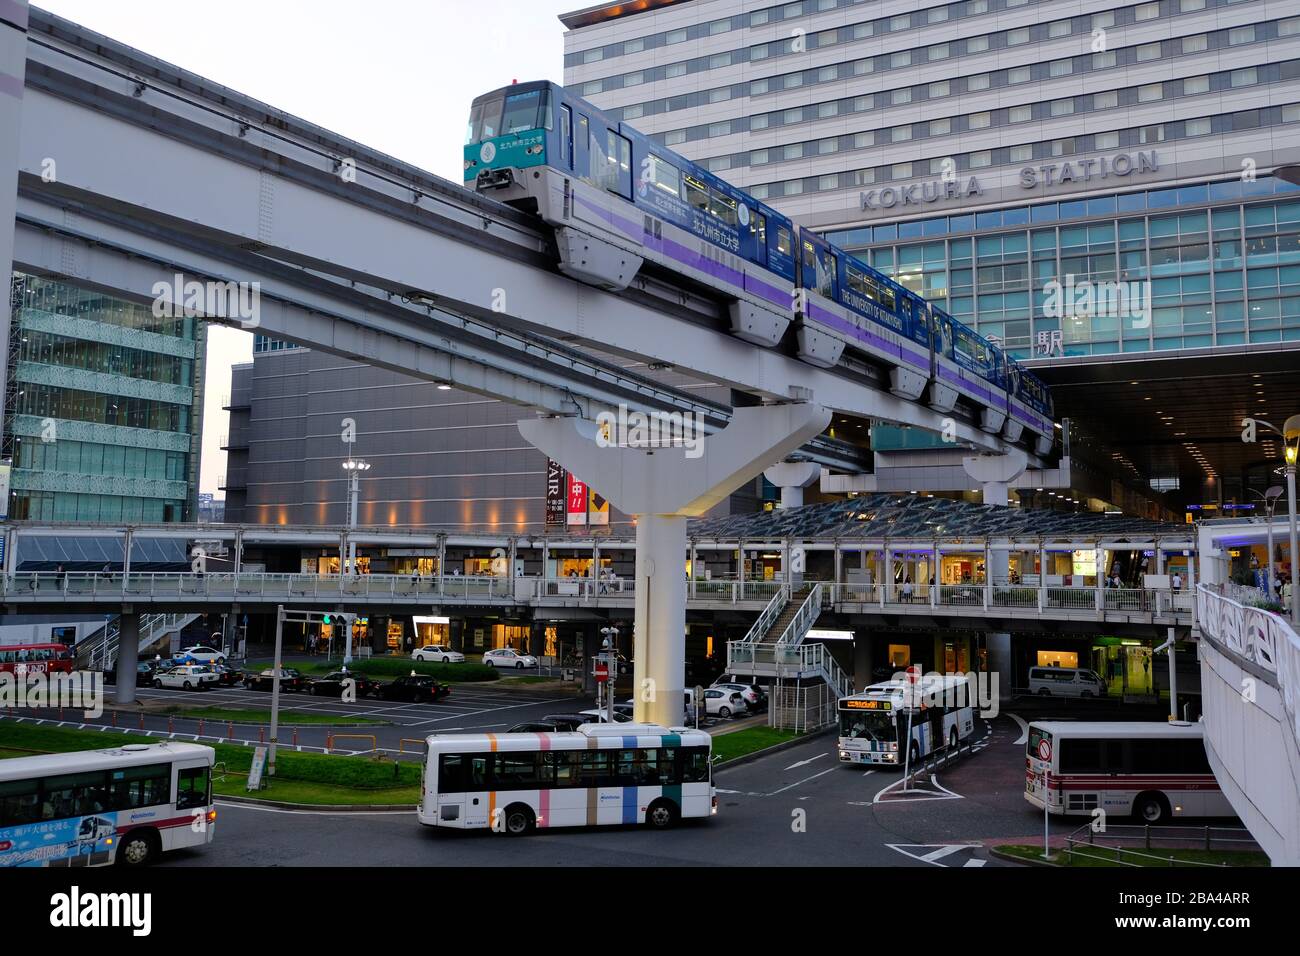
x,y
1291,436
354,467
1269,498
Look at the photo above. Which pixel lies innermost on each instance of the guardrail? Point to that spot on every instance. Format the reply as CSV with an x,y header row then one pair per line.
x,y
768,617
1259,636
809,611
1088,844
987,597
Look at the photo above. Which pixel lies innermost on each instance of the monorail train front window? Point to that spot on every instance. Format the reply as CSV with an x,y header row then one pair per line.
x,y
485,120
525,111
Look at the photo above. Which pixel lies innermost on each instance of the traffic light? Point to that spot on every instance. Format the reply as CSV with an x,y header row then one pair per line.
x,y
326,619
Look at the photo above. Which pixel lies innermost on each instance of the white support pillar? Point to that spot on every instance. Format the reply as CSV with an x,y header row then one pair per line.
x,y
999,648
13,71
995,473
128,656
887,575
662,487
792,477
239,551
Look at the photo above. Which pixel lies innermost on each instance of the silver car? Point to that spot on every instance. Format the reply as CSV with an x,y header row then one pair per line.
x,y
508,657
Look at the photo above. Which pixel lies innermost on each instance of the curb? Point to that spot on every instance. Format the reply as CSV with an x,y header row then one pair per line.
x,y
1023,861
331,808
774,749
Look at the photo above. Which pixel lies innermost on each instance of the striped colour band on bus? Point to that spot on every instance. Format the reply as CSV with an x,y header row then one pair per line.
x,y
543,795
492,794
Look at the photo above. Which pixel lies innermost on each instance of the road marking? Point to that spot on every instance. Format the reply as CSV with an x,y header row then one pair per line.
x,y
803,781
1024,728
937,851
804,763
907,796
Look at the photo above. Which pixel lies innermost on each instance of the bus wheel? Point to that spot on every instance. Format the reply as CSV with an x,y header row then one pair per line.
x,y
519,819
1150,807
1044,692
952,740
138,848
915,752
661,814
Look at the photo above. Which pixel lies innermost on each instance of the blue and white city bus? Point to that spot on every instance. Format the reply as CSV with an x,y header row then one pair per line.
x,y
620,202
874,724
600,774
122,805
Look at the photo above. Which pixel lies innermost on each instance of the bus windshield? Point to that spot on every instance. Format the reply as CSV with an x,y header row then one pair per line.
x,y
868,726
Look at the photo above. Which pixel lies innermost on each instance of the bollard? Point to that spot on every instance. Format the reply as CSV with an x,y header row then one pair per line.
x,y
142,720
230,730
329,742
171,725
114,718
60,713
200,726
295,738
261,735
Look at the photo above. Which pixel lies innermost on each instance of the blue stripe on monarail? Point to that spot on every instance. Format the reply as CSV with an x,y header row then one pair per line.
x,y
979,390
629,804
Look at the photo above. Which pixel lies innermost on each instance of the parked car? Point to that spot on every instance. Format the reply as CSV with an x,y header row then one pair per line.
x,y
565,723
755,697
144,672
228,676
332,684
187,677
437,652
416,689
1066,682
200,654
290,679
508,657
597,715
724,703
537,727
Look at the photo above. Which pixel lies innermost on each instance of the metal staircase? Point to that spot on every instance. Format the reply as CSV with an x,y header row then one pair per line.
x,y
807,681
99,648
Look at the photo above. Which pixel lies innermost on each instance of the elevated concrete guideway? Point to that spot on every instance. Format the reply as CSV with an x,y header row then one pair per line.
x,y
419,279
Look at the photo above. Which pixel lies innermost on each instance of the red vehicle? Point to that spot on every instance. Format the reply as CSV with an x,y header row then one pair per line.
x,y
36,658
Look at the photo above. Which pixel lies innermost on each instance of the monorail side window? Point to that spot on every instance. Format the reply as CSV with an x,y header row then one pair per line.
x,y
663,175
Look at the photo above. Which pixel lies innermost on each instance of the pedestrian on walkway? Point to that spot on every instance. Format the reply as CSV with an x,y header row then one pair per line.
x,y
907,590
1177,581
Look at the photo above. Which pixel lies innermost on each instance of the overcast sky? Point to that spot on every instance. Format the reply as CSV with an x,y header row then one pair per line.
x,y
397,75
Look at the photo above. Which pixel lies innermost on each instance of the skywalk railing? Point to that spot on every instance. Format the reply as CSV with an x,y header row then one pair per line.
x,y
998,596
809,611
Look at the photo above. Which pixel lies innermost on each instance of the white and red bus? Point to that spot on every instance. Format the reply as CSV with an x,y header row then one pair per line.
x,y
1152,771
122,805
36,659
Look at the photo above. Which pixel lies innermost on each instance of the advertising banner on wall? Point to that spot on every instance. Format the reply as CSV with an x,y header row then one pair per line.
x,y
556,489
576,505
597,509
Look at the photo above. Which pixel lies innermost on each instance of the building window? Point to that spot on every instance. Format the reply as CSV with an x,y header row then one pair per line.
x,y
1150,92
759,121
900,96
939,51
1247,77
719,60
827,110
1288,28
900,171
1062,107
1103,61
1190,6
940,127
977,45
863,140
901,58
1021,154
1147,11
1059,28
1240,35
1105,101
1197,127
939,89
1196,44
1151,134
979,120
1105,141
793,151
675,137
1019,74
1062,147
979,160
758,157
675,69
1291,113
976,82
675,36
1060,68
1018,37
1020,114
720,129
758,87
828,145
1193,85
900,22
900,134
593,56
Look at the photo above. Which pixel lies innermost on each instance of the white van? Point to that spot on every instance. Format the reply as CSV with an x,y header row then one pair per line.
x,y
1066,682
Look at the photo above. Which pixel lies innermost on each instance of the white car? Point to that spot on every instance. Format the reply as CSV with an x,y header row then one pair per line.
x,y
598,715
437,652
744,690
508,657
724,703
201,654
187,677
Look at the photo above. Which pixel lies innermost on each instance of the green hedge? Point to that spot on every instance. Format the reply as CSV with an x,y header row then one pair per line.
x,y
358,773
390,667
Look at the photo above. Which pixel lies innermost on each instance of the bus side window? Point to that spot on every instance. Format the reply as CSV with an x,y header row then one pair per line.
x,y
451,773
695,765
192,787
566,137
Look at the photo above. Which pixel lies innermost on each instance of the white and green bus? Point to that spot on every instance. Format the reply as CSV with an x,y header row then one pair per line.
x,y
598,775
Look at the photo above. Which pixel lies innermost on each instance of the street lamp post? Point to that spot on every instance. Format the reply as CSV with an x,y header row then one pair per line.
x,y
354,467
1269,497
1291,436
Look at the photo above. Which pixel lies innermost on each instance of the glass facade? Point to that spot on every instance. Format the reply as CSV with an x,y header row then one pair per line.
x,y
1222,260
104,418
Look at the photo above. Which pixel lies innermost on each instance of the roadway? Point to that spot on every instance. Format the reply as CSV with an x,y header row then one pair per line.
x,y
795,807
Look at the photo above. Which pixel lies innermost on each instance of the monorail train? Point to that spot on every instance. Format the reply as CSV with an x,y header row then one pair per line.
x,y
617,200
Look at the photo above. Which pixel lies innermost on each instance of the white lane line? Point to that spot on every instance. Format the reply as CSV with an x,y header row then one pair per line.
x,y
868,773
1024,728
804,763
803,781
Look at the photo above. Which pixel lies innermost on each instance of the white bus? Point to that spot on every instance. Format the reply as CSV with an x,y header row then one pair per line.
x,y
599,774
874,722
1153,771
90,808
